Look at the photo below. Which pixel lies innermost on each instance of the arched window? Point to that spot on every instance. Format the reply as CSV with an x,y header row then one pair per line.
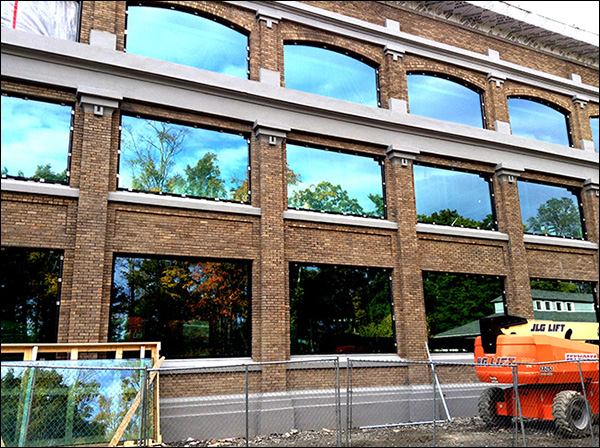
x,y
594,126
187,39
444,98
537,119
330,73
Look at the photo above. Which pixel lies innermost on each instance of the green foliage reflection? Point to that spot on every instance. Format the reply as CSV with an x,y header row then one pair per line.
x,y
340,310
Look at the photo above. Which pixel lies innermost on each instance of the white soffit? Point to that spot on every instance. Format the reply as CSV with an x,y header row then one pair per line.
x,y
515,24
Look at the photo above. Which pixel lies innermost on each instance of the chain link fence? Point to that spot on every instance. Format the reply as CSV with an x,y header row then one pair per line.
x,y
357,403
60,403
246,401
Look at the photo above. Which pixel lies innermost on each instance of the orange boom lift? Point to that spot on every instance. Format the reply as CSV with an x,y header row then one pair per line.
x,y
552,391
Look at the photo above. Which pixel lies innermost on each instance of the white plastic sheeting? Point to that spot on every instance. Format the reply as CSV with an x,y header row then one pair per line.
x,y
56,19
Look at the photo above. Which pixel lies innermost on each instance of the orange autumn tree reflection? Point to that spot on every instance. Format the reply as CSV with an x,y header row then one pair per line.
x,y
195,308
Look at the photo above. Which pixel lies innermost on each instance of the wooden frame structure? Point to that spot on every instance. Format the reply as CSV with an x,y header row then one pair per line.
x,y
31,352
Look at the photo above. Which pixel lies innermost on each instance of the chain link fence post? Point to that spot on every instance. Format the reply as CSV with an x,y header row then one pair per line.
x,y
587,404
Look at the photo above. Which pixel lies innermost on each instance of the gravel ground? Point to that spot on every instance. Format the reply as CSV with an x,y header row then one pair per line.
x,y
470,432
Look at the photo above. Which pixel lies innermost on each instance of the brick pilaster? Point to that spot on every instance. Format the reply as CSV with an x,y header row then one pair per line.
x,y
274,296
591,212
89,291
518,286
407,282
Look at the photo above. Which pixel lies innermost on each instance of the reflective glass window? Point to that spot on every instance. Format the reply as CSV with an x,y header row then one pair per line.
x,y
194,307
454,303
337,309
330,73
31,281
453,198
171,158
187,39
55,19
334,182
539,121
594,126
35,139
563,300
444,99
550,210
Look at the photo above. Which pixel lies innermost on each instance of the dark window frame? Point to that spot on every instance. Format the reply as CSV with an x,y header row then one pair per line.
x,y
152,117
487,177
381,160
69,149
455,79
195,12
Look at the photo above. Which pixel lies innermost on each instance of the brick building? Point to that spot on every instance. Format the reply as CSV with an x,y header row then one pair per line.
x,y
97,216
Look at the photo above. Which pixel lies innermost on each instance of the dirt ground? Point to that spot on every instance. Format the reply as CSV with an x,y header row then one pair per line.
x,y
470,432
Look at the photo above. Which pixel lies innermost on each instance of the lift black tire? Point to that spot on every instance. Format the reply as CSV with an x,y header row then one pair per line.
x,y
487,408
571,417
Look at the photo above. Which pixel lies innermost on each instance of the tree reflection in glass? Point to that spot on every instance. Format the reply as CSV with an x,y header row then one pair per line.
x,y
337,309
550,210
453,198
539,121
194,307
444,99
30,294
334,182
329,73
187,39
454,303
164,157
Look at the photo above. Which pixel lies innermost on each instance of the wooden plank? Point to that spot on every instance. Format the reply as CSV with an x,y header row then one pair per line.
x,y
131,411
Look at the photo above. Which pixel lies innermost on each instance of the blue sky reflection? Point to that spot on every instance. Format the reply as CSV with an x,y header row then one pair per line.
x,y
594,125
329,73
537,121
359,176
439,189
442,99
34,133
186,39
231,152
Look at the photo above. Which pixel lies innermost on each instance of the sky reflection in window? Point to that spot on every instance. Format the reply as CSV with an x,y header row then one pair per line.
x,y
334,182
186,39
171,158
535,120
35,139
442,99
452,198
329,73
594,125
549,210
